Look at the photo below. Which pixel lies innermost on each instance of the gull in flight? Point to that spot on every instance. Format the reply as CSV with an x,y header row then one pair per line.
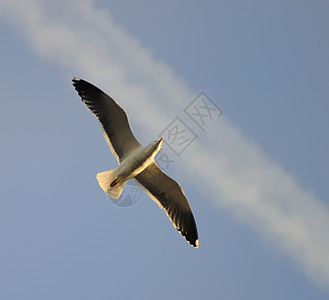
x,y
136,162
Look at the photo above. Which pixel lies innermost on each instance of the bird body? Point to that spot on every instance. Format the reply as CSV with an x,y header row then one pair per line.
x,y
113,181
136,162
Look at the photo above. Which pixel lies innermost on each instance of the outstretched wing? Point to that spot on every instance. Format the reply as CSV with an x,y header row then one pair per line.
x,y
113,118
168,194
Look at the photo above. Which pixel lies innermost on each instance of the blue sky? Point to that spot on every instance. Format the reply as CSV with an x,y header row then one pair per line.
x,y
256,177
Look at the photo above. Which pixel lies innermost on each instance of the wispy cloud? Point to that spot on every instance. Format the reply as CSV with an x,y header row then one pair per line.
x,y
239,176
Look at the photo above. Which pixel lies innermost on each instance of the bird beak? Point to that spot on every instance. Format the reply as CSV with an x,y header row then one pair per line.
x,y
161,140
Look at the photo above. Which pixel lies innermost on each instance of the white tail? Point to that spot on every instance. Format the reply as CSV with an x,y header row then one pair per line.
x,y
106,178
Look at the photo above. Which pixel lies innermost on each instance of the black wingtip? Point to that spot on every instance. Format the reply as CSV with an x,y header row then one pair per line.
x,y
80,86
196,244
76,79
193,242
83,87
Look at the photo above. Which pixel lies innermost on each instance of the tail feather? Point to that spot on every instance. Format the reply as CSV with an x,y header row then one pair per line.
x,y
110,183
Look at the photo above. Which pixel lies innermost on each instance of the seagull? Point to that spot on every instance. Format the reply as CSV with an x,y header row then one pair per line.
x,y
136,162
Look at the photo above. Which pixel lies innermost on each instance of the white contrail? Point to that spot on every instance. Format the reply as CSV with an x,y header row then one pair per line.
x,y
238,174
